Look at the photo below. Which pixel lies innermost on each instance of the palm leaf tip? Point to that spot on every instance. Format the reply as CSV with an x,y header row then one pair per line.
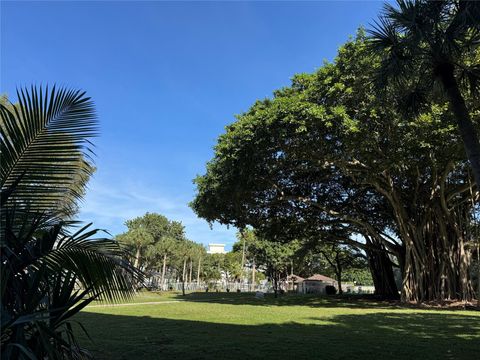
x,y
44,137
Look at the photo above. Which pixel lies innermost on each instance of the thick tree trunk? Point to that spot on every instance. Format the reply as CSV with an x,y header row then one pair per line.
x,y
436,262
382,274
339,282
465,124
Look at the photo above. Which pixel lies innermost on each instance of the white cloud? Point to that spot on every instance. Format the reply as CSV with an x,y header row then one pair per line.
x,y
110,206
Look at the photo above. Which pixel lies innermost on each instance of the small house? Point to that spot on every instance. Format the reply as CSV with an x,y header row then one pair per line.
x,y
316,284
293,282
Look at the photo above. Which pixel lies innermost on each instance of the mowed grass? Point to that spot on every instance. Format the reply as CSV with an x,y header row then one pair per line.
x,y
238,326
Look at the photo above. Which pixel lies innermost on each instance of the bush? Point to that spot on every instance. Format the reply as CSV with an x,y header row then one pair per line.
x,y
330,290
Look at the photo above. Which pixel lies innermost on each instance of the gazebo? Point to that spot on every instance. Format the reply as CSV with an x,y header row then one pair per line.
x,y
316,284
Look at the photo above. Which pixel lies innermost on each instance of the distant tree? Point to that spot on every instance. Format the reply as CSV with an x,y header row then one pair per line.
x,y
233,266
359,276
341,258
199,253
333,259
159,252
245,246
154,242
274,257
184,251
213,267
137,239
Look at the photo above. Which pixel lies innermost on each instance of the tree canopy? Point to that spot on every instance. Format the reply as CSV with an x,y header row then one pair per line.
x,y
326,158
424,43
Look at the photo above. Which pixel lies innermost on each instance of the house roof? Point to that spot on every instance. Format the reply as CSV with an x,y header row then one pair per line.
x,y
318,277
295,278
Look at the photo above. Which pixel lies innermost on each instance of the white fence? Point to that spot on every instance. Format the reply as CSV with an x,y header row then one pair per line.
x,y
222,286
358,289
211,286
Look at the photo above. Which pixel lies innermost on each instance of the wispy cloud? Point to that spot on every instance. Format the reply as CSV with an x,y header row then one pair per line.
x,y
110,206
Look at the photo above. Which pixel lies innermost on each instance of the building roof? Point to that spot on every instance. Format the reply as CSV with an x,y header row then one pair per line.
x,y
318,277
294,278
216,248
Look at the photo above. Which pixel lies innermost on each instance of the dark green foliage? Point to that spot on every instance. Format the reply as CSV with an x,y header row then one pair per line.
x,y
330,290
274,257
48,275
51,267
423,44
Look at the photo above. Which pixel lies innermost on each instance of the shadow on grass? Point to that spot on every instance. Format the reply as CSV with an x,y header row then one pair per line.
x,y
345,301
380,335
350,301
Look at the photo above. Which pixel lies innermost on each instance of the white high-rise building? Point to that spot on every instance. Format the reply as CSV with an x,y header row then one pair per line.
x,y
216,249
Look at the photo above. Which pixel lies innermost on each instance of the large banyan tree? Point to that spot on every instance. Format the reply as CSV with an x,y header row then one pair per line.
x,y
330,155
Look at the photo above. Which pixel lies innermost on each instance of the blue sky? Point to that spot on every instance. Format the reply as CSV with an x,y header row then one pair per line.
x,y
167,77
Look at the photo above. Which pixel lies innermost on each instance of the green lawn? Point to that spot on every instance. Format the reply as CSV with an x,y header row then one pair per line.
x,y
238,326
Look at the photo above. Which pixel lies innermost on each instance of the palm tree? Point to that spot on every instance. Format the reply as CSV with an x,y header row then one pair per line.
x,y
50,267
422,42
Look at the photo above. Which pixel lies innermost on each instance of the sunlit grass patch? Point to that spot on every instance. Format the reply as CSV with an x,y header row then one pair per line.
x,y
238,326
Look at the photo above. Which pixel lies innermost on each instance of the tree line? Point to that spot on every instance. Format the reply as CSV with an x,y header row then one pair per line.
x,y
159,248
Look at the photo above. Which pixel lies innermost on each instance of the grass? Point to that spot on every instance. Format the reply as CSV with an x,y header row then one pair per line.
x,y
238,326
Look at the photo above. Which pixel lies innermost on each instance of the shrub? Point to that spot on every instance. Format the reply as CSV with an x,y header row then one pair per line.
x,y
330,290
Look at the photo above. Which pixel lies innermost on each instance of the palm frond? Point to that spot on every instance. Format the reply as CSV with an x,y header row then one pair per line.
x,y
414,100
405,16
396,58
45,141
48,274
469,75
466,18
383,34
98,263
